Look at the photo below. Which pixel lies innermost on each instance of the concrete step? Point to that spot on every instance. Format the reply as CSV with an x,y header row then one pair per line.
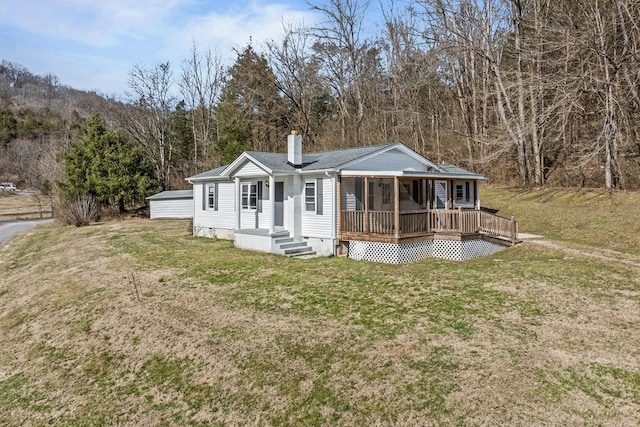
x,y
284,240
299,251
293,245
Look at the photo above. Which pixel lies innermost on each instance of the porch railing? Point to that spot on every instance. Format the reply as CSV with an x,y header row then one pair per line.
x,y
434,221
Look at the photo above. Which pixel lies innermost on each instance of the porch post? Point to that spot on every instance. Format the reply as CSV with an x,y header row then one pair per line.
x,y
396,208
452,193
272,205
476,194
238,202
338,197
451,202
366,205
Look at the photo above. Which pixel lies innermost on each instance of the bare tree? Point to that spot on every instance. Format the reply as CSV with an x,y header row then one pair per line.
x,y
297,76
201,85
149,117
342,49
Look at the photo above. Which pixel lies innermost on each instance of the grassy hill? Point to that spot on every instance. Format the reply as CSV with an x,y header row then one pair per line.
x,y
138,323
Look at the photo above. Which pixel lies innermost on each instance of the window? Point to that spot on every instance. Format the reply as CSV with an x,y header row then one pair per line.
x,y
467,186
310,196
459,192
249,196
211,197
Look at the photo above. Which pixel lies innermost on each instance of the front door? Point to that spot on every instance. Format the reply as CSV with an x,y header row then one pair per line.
x,y
441,195
279,204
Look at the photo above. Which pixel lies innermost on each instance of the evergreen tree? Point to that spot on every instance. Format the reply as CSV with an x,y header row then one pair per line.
x,y
8,126
108,167
251,112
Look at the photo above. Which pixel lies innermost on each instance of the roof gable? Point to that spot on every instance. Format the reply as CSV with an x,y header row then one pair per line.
x,y
394,157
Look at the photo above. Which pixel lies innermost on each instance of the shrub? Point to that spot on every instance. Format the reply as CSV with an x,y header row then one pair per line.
x,y
80,210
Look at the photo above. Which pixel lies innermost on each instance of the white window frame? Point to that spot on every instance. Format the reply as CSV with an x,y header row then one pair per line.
x,y
310,199
251,195
211,197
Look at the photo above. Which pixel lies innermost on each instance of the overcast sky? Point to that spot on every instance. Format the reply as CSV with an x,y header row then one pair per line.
x,y
93,44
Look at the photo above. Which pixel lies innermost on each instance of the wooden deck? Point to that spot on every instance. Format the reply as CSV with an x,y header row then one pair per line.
x,y
390,226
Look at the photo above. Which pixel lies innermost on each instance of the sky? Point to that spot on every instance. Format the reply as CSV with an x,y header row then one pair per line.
x,y
94,44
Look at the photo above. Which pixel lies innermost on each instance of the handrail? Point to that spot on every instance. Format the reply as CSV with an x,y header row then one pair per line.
x,y
418,222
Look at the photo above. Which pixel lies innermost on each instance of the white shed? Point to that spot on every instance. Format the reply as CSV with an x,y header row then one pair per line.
x,y
171,204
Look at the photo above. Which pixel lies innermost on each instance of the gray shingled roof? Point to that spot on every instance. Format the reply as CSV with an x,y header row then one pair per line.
x,y
172,194
323,160
210,173
326,160
454,170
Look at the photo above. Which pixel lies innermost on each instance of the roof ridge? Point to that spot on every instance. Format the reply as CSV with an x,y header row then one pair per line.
x,y
352,148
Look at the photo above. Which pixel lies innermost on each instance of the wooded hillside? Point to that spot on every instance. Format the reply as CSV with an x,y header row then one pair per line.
x,y
527,92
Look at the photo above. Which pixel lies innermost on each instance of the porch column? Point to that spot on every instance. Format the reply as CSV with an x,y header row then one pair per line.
x,y
238,202
396,208
338,199
476,194
272,204
366,205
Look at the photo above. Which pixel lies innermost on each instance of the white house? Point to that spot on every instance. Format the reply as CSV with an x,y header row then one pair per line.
x,y
171,204
381,203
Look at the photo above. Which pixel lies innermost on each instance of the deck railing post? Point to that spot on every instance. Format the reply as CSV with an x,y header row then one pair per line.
x,y
514,230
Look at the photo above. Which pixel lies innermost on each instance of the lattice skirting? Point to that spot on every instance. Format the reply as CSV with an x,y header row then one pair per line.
x,y
398,253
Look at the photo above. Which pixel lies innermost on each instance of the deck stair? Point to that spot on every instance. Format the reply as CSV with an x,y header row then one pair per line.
x,y
286,245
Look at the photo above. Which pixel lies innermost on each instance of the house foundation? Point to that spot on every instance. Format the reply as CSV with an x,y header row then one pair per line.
x,y
399,253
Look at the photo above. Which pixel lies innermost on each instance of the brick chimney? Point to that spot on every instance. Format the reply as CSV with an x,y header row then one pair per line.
x,y
294,150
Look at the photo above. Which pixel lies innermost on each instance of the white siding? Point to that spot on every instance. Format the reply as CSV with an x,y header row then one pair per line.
x,y
171,208
314,225
392,160
224,217
249,169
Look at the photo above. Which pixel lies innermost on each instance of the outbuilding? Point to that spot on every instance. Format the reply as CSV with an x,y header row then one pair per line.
x,y
171,204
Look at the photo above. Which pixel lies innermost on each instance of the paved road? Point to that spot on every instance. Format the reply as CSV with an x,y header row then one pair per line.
x,y
8,229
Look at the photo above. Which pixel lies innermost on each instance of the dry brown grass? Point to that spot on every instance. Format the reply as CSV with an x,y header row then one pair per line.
x,y
23,206
219,336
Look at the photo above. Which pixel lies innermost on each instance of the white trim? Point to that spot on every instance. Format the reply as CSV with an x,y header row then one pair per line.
x,y
315,197
334,214
239,162
237,203
249,208
272,204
